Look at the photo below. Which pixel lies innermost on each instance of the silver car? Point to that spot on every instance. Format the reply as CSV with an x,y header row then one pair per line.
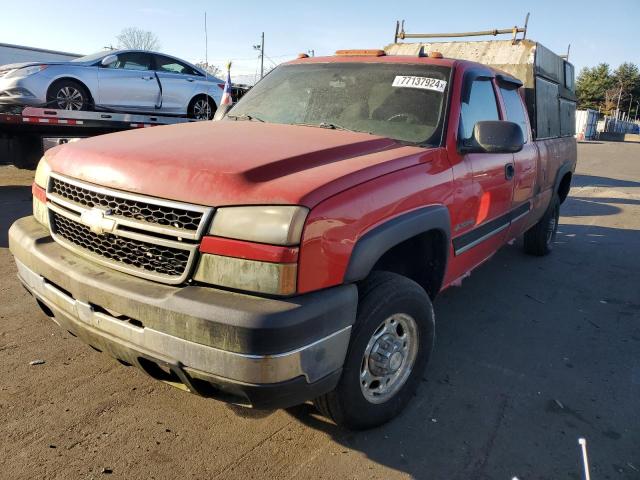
x,y
120,81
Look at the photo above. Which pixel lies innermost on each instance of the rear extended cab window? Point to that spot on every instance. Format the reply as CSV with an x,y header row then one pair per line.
x,y
515,109
406,102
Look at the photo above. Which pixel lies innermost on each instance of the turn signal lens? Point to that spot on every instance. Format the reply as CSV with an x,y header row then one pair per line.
x,y
247,275
40,211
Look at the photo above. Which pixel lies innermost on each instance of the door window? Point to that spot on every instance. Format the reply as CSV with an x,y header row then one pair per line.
x,y
481,106
132,61
515,109
171,65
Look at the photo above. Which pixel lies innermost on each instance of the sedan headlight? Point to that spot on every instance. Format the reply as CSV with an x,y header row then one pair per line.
x,y
25,71
275,225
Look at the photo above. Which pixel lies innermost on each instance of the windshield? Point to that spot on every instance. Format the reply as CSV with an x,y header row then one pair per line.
x,y
92,57
399,101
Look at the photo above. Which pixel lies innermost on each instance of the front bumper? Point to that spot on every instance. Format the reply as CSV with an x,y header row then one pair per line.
x,y
251,350
21,91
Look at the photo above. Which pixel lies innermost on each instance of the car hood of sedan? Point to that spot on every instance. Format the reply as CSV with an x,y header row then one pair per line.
x,y
13,66
234,162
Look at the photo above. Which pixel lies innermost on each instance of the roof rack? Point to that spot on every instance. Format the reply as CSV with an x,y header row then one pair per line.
x,y
401,34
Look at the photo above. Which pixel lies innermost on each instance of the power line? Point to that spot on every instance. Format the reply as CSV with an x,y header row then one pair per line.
x,y
252,58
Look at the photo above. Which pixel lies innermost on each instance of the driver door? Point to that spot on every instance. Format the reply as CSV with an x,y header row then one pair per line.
x,y
129,83
488,204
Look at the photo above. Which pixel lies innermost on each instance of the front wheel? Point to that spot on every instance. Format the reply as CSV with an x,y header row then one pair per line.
x,y
68,95
201,108
390,345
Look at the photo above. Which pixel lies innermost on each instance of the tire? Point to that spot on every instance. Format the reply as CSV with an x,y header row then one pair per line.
x,y
68,95
201,108
538,240
384,298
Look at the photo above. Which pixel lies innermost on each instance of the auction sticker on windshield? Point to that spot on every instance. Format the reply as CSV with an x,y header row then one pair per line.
x,y
426,83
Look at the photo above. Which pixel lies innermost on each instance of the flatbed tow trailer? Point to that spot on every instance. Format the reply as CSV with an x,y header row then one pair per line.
x,y
25,135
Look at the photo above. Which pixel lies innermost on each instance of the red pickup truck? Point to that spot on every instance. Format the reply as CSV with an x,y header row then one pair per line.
x,y
291,251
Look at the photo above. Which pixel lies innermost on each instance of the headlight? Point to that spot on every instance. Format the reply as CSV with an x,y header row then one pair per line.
x,y
25,72
42,173
275,225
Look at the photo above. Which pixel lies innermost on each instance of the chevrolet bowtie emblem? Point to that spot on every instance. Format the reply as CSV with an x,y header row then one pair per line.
x,y
97,221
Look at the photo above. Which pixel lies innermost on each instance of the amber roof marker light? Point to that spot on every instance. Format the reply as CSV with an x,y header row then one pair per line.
x,y
361,53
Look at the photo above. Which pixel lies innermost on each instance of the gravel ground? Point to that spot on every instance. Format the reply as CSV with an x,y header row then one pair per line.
x,y
531,355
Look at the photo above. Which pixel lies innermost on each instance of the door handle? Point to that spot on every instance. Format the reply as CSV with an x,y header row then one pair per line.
x,y
190,80
509,171
147,78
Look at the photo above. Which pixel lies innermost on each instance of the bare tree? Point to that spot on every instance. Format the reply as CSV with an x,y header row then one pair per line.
x,y
213,70
137,39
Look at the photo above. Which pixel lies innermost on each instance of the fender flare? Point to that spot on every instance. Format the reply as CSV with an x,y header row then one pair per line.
x,y
376,242
562,171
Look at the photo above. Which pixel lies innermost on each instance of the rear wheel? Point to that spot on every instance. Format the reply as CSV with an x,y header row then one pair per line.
x,y
201,108
68,95
390,345
538,240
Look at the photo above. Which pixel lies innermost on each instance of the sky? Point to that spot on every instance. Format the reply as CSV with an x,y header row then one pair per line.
x,y
596,33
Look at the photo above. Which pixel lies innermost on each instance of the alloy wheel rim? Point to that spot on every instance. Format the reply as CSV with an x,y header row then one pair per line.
x,y
201,110
69,98
389,358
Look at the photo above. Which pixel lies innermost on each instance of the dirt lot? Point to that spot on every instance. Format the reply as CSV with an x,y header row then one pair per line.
x,y
531,354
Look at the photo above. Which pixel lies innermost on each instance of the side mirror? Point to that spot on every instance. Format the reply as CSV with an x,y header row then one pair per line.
x,y
495,136
108,60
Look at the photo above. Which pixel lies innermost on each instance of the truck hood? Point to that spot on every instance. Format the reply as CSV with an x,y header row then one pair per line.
x,y
234,162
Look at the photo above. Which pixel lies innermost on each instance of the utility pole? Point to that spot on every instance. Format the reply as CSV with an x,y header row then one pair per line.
x,y
262,55
261,49
618,104
206,42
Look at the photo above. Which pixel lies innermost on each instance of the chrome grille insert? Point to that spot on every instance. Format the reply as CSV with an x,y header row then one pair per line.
x,y
143,236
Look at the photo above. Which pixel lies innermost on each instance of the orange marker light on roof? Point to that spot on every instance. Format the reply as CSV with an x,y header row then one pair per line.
x,y
360,53
435,55
303,55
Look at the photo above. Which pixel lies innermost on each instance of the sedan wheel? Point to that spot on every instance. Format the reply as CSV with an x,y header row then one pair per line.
x,y
67,95
69,98
201,109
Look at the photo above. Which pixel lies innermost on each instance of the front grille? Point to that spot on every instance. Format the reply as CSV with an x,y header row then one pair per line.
x,y
150,212
133,253
143,236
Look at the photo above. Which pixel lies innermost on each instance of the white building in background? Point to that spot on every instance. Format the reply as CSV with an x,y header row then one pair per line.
x,y
18,53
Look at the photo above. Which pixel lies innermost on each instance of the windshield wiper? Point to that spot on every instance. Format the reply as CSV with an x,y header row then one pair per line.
x,y
332,126
244,116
